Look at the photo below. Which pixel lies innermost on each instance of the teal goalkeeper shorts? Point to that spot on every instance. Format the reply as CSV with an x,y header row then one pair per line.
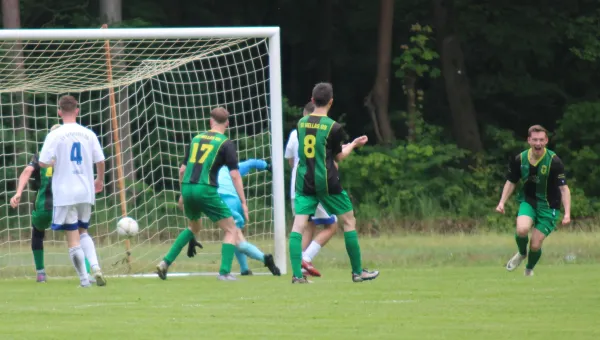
x,y
235,205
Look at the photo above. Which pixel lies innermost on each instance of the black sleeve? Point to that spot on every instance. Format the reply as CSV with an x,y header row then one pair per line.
x,y
514,170
230,155
35,162
557,172
337,138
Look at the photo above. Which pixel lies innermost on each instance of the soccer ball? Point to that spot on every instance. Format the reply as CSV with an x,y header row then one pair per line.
x,y
127,226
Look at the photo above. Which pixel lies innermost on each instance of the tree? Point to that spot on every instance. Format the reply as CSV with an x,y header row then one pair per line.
x,y
414,64
464,117
377,100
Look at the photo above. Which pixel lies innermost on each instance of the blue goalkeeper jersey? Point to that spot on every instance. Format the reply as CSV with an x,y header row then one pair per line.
x,y
226,183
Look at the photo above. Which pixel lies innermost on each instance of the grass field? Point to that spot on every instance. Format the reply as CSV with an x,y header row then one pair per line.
x,y
431,287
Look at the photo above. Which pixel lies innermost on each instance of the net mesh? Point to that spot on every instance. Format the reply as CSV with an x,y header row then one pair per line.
x,y
163,92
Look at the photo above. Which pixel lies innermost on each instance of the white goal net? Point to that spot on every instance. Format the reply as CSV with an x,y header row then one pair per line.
x,y
146,93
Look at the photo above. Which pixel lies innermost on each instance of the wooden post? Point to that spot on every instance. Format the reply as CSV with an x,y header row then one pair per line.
x,y
117,143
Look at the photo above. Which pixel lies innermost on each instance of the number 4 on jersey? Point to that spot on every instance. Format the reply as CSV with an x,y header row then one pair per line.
x,y
76,153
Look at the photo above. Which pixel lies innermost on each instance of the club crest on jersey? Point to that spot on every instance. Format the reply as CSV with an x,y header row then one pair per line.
x,y
544,169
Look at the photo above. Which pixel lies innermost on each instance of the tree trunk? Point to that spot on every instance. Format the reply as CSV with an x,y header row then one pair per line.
x,y
11,18
464,117
378,99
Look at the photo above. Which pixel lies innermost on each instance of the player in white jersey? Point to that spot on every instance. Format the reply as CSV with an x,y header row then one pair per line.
x,y
73,150
310,247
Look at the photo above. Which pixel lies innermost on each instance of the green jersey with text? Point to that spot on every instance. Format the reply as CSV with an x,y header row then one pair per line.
x,y
205,155
541,181
320,140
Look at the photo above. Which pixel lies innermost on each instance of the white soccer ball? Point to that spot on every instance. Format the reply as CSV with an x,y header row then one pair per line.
x,y
127,226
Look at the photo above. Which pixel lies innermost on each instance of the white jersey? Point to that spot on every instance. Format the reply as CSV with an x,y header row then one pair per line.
x,y
291,152
75,150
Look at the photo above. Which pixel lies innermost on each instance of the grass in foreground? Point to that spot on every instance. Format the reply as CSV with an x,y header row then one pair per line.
x,y
431,287
483,302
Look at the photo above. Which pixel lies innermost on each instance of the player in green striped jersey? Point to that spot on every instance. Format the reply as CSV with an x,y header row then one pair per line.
x,y
204,157
544,187
317,181
41,217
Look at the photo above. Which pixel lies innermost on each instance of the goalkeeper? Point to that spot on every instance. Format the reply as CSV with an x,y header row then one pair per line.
x,y
227,192
41,217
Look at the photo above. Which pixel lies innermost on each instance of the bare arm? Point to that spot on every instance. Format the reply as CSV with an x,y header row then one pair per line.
x,y
566,202
348,148
23,179
100,167
239,188
181,172
291,162
509,187
238,184
99,182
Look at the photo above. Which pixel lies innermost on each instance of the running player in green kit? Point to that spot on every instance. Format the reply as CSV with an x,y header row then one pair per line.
x,y
544,188
198,174
320,141
41,217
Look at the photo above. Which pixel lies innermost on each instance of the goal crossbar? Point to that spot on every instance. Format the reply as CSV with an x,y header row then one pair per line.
x,y
138,33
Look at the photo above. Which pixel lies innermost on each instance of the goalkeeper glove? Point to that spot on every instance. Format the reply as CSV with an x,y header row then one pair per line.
x,y
191,251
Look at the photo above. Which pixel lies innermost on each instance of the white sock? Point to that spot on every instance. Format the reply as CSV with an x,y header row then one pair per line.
x,y
87,244
311,252
78,260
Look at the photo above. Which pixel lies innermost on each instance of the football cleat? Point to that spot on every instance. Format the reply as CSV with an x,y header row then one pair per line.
x,y
310,269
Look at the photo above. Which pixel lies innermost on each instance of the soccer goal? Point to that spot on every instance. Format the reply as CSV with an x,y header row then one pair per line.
x,y
145,92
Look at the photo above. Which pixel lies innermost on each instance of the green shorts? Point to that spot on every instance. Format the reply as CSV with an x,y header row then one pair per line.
x,y
41,219
337,204
544,219
201,199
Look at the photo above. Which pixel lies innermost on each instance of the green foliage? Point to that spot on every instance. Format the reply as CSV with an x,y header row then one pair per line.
x,y
585,34
427,181
418,55
578,145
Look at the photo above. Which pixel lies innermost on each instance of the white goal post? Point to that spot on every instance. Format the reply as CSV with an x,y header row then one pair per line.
x,y
145,92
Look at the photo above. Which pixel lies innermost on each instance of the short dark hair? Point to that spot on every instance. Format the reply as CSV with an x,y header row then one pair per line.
x,y
536,128
322,93
220,115
67,104
309,108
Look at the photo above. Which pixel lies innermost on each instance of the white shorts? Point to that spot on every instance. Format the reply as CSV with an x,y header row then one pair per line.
x,y
71,217
321,216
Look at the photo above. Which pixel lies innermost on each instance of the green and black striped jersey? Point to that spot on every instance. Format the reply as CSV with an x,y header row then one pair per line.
x,y
541,181
42,181
320,140
205,155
